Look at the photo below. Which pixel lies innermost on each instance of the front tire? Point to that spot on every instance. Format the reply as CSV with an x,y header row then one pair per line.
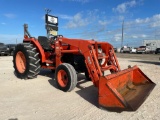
x,y
66,77
26,61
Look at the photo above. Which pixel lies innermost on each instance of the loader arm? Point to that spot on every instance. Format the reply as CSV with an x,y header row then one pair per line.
x,y
89,49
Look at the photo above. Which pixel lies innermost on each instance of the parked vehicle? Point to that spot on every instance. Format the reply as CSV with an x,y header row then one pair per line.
x,y
125,49
152,45
4,50
157,51
115,50
133,50
11,48
143,49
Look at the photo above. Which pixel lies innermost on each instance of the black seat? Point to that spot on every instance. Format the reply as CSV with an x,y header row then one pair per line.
x,y
45,43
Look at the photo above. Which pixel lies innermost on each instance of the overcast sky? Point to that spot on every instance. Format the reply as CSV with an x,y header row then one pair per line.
x,y
87,19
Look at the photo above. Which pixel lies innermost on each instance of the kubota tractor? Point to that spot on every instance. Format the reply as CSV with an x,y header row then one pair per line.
x,y
121,90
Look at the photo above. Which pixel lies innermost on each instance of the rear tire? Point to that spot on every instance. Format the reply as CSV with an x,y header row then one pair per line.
x,y
26,61
66,77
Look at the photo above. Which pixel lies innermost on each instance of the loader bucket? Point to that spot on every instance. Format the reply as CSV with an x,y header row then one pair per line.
x,y
124,90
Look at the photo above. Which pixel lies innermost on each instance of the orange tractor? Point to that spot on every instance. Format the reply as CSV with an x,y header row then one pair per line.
x,y
121,90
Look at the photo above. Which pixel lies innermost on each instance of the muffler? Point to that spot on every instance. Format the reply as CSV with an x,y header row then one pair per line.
x,y
124,90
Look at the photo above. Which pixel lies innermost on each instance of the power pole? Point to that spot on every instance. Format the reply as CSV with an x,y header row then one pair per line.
x,y
122,33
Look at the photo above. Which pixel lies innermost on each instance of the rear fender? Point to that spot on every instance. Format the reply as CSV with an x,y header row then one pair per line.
x,y
38,46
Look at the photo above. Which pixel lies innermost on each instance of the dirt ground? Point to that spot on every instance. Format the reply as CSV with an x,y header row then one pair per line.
x,y
39,99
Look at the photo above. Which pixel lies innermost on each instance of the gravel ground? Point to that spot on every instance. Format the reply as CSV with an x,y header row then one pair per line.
x,y
39,99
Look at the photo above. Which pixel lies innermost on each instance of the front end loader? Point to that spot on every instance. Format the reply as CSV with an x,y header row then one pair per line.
x,y
121,90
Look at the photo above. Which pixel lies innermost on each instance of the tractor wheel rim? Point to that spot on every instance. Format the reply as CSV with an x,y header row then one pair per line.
x,y
20,62
62,78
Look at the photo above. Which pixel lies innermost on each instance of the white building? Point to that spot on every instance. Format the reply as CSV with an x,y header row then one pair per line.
x,y
152,44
